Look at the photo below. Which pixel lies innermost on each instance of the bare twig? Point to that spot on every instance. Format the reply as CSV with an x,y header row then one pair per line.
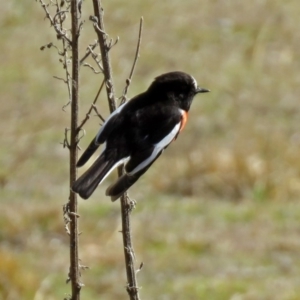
x,y
88,52
140,267
66,217
113,43
51,45
65,142
59,78
137,52
93,107
95,57
92,68
57,22
60,33
98,114
61,18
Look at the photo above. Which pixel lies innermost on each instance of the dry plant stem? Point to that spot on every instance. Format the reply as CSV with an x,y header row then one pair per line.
x,y
126,208
59,32
65,54
73,215
93,107
104,49
91,47
128,81
132,288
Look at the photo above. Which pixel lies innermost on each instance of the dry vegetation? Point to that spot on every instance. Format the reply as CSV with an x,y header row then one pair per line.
x,y
217,216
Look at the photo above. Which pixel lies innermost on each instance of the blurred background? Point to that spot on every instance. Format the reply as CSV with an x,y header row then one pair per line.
x,y
217,216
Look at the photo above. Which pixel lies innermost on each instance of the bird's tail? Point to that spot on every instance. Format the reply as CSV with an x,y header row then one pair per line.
x,y
118,188
87,182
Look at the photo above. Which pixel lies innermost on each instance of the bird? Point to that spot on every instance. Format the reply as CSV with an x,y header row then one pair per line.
x,y
137,133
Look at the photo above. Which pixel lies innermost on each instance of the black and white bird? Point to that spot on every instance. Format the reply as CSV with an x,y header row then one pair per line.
x,y
137,133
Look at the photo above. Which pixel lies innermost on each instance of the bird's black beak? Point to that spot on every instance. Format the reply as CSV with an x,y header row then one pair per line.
x,y
202,90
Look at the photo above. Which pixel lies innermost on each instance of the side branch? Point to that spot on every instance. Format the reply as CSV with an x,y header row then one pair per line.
x,y
93,107
137,54
59,31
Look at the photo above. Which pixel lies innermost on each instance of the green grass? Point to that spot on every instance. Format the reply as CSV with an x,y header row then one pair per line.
x,y
217,216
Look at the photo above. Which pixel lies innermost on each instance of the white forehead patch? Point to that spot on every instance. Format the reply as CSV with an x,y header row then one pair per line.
x,y
195,82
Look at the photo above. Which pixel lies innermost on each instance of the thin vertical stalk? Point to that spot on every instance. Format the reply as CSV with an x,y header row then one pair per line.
x,y
132,287
104,49
73,213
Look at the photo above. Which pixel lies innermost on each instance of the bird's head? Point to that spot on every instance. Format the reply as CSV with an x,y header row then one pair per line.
x,y
176,87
